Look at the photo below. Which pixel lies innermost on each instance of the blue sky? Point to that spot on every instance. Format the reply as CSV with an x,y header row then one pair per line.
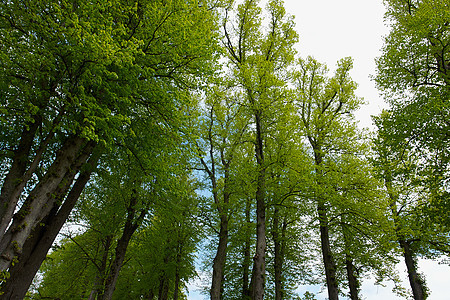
x,y
330,30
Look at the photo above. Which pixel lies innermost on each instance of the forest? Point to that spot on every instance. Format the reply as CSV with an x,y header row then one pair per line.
x,y
147,143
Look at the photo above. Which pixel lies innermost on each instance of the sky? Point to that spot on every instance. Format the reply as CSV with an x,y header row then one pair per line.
x,y
330,30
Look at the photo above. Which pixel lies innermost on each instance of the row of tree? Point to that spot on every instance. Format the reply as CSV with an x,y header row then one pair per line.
x,y
155,128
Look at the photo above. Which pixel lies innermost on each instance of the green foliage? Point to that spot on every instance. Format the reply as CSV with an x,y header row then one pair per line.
x,y
413,73
70,269
412,145
141,78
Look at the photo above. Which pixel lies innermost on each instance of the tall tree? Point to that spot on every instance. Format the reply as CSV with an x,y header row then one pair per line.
x,y
414,75
85,68
325,106
222,131
259,61
412,204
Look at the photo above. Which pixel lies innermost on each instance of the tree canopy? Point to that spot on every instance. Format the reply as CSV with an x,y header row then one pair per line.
x,y
145,144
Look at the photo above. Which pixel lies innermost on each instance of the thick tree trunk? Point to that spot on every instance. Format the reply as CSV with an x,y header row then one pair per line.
x,y
41,199
259,270
353,282
176,288
177,285
328,261
352,273
163,292
13,182
221,254
120,252
36,247
417,284
20,172
327,255
219,260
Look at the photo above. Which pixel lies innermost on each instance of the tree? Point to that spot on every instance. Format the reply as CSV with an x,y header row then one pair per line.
x,y
325,107
84,69
288,212
413,74
222,130
416,229
164,245
259,62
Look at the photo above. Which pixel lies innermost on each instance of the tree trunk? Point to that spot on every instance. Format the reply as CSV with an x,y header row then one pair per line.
x,y
13,180
176,288
327,255
353,282
19,175
97,288
352,276
279,255
246,254
150,295
163,292
328,261
120,252
417,283
219,260
42,199
221,254
131,225
259,270
36,247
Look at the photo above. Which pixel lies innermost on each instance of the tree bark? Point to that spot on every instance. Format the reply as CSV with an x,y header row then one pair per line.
x,y
279,251
131,224
352,276
41,199
97,288
120,252
328,261
219,260
246,293
417,284
36,247
221,254
163,292
20,173
278,266
177,271
259,270
353,282
13,180
327,255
